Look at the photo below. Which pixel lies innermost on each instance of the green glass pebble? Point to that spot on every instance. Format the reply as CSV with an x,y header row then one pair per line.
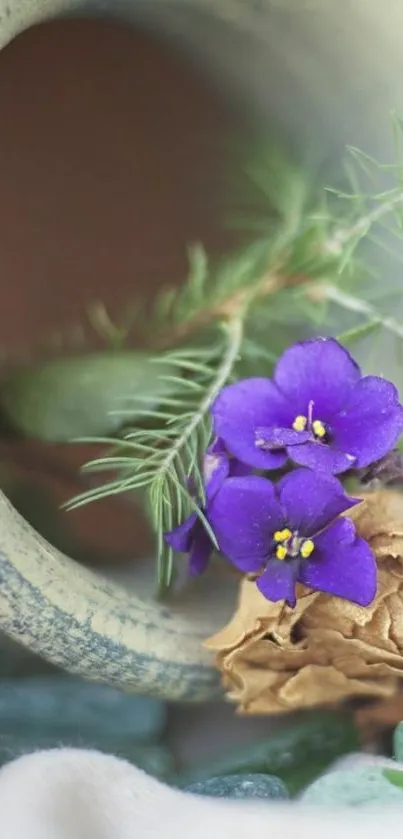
x,y
395,776
48,705
361,785
241,786
398,742
297,753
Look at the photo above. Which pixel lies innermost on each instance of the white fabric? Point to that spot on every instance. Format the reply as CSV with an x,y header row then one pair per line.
x,y
73,794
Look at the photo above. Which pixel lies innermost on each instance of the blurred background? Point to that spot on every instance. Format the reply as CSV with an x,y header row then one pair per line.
x,y
111,163
113,156
115,153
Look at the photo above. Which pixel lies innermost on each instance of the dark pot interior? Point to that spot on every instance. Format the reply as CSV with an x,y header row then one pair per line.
x,y
111,163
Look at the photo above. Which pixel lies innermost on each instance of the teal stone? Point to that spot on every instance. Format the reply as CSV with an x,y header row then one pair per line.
x,y
241,786
365,785
67,707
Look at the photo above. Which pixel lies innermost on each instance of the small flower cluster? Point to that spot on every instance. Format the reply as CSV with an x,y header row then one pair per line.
x,y
320,413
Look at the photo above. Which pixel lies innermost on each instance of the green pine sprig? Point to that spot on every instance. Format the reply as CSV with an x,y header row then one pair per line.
x,y
164,456
306,270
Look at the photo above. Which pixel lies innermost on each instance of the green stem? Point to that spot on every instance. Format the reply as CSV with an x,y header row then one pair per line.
x,y
354,304
176,454
235,329
341,237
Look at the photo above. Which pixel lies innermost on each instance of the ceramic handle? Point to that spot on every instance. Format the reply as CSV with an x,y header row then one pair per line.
x,y
69,615
88,625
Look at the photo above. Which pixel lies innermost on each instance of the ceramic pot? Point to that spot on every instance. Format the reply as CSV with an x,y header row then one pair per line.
x,y
324,74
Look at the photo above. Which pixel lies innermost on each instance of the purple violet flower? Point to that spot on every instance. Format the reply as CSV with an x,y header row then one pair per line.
x,y
289,532
318,410
191,537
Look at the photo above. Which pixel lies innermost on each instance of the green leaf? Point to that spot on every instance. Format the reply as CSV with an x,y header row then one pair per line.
x,y
91,395
358,332
398,742
395,777
167,448
297,754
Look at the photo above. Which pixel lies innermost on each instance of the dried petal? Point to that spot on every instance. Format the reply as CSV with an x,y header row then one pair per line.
x,y
276,659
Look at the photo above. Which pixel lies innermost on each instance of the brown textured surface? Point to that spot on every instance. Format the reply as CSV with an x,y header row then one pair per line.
x,y
110,161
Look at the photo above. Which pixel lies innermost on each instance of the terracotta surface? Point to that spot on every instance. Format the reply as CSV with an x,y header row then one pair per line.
x,y
111,157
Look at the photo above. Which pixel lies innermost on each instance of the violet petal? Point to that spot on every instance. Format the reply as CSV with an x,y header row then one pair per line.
x,y
342,564
216,469
217,447
322,458
371,422
180,538
218,465
201,550
238,469
278,581
241,408
280,438
312,500
244,514
318,370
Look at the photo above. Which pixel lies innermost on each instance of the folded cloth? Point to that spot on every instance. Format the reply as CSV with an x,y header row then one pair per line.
x,y
78,794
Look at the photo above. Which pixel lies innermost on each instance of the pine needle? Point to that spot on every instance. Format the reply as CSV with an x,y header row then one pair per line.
x,y
305,272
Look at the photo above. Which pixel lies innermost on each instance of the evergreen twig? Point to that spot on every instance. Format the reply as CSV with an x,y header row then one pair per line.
x,y
304,259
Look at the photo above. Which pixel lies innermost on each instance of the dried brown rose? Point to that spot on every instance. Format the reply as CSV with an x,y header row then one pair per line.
x,y
275,659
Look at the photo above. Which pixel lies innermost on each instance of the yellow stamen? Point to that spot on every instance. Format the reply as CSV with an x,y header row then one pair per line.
x,y
282,535
300,423
307,548
281,552
318,428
